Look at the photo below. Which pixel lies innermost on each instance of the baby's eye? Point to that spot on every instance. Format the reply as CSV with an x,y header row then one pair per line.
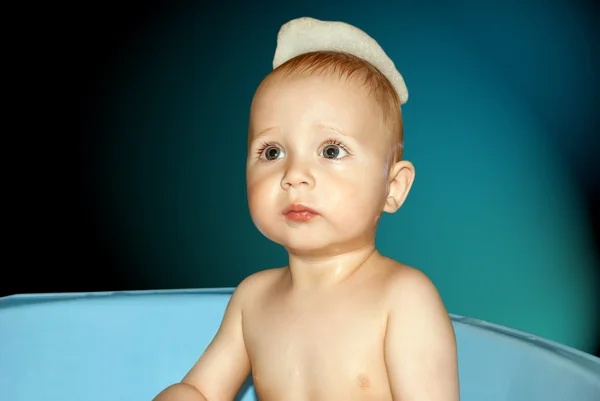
x,y
272,153
333,152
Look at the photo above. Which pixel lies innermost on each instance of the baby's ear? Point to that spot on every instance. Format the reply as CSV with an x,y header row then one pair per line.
x,y
402,175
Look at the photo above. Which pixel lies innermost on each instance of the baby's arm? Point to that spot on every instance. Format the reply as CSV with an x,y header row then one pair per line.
x,y
420,344
223,367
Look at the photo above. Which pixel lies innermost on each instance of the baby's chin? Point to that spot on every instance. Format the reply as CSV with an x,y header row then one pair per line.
x,y
299,243
319,246
296,242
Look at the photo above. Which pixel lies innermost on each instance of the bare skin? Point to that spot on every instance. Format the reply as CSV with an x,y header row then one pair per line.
x,y
342,321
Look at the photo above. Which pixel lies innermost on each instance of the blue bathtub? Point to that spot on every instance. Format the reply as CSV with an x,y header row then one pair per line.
x,y
128,346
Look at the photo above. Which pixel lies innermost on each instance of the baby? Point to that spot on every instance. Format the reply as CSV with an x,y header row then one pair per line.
x,y
342,322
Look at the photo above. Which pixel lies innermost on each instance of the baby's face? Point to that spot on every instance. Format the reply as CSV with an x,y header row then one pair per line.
x,y
318,142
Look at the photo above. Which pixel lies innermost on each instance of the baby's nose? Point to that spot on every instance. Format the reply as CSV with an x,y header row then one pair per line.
x,y
297,175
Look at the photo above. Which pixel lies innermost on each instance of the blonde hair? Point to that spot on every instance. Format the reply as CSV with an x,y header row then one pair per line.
x,y
348,66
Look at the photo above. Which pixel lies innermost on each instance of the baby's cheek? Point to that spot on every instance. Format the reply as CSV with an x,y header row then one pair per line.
x,y
348,201
255,200
369,199
259,213
258,199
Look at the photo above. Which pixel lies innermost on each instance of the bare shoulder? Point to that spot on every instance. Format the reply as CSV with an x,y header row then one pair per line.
x,y
408,284
413,300
420,343
257,283
263,277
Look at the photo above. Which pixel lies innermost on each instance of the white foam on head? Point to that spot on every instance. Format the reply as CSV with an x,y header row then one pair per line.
x,y
305,35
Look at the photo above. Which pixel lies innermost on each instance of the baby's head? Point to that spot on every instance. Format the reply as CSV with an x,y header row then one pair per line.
x,y
325,132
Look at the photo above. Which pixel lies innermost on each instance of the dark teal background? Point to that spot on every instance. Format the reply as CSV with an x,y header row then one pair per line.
x,y
497,124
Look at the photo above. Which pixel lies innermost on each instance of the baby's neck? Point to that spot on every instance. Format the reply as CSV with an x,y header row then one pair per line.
x,y
316,272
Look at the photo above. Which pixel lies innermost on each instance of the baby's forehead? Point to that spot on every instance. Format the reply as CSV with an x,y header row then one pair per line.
x,y
316,87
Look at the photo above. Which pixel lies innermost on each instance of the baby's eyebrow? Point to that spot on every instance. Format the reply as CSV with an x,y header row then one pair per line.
x,y
264,132
332,128
325,127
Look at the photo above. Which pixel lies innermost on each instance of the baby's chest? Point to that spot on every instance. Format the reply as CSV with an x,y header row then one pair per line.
x,y
323,329
325,343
